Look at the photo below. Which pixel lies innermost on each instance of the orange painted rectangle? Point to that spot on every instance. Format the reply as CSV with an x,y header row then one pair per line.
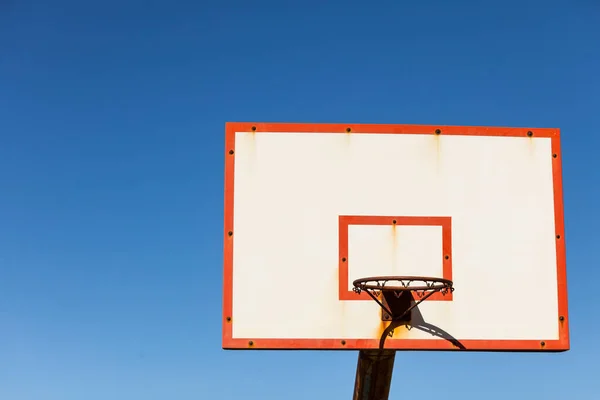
x,y
344,260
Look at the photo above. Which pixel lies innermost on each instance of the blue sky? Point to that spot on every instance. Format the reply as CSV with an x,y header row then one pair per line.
x,y
111,175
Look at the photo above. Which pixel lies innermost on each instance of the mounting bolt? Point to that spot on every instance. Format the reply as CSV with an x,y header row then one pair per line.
x,y
446,257
348,130
561,318
253,129
542,344
438,131
558,236
230,151
230,233
343,259
343,342
394,222
529,133
554,155
251,343
228,319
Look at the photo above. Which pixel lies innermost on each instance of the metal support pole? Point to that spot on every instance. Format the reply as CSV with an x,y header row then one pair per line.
x,y
374,374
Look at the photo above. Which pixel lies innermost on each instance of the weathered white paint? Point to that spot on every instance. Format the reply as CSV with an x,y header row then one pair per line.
x,y
291,187
376,250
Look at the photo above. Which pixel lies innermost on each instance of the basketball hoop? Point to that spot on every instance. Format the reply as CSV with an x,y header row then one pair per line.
x,y
397,299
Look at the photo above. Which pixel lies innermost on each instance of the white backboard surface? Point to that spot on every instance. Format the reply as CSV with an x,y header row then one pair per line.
x,y
309,208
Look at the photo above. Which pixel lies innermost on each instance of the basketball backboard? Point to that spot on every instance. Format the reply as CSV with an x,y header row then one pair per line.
x,y
309,208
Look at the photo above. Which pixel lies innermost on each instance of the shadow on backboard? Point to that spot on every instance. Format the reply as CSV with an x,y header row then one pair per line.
x,y
418,322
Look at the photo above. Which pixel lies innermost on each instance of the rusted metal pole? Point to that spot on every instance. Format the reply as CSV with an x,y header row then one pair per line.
x,y
374,374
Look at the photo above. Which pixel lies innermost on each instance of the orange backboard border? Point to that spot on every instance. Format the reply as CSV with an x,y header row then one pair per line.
x,y
228,342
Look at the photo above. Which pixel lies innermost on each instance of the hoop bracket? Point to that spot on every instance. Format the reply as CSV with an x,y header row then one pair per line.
x,y
398,299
